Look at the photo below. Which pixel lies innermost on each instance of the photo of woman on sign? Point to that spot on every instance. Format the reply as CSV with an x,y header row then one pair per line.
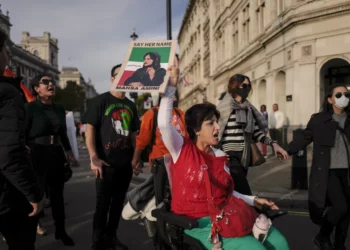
x,y
151,74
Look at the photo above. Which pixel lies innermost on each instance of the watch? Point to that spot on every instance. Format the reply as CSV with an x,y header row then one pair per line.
x,y
272,142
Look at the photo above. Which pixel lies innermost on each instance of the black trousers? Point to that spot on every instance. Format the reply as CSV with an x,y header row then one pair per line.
x,y
110,196
239,173
49,162
19,230
338,195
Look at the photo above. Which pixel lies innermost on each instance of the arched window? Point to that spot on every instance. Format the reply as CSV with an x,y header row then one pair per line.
x,y
36,53
52,58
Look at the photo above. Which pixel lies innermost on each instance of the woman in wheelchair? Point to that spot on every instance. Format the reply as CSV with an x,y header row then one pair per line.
x,y
199,171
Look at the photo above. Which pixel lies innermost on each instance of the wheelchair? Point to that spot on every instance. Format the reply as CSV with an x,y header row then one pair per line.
x,y
169,227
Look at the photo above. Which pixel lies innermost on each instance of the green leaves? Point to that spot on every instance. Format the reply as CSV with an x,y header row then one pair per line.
x,y
72,97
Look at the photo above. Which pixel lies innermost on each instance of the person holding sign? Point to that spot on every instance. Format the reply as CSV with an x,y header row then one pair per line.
x,y
151,74
190,158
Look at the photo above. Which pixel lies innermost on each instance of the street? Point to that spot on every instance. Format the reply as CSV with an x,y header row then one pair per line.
x,y
80,199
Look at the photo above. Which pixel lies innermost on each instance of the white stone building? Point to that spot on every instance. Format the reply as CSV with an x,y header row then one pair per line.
x,y
73,74
291,49
35,55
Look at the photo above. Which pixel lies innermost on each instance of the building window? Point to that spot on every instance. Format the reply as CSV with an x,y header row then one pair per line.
x,y
52,58
36,53
260,15
246,22
223,50
235,36
217,7
280,6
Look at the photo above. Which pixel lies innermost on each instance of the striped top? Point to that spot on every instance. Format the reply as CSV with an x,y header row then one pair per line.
x,y
233,137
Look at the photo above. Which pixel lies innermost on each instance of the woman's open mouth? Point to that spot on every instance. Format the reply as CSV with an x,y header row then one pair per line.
x,y
216,135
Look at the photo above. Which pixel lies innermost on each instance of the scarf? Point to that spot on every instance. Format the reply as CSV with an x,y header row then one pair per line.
x,y
246,115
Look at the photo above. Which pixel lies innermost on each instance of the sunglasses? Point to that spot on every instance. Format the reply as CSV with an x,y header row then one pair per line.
x,y
339,94
245,86
47,82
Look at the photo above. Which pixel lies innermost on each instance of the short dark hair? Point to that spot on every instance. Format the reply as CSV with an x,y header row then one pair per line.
x,y
3,39
198,114
326,106
236,81
114,68
35,82
155,57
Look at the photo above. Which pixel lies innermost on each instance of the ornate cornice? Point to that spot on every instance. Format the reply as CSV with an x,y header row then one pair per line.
x,y
188,12
18,52
284,25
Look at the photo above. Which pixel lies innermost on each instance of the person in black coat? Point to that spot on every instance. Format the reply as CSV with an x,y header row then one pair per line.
x,y
151,74
20,193
46,135
329,190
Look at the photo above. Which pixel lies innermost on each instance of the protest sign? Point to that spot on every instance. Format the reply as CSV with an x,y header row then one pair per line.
x,y
145,67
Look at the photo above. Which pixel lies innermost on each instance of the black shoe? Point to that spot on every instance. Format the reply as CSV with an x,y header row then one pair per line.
x,y
114,244
66,240
323,243
272,214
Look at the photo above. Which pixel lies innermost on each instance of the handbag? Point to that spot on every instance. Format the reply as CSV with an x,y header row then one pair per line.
x,y
67,172
232,218
257,158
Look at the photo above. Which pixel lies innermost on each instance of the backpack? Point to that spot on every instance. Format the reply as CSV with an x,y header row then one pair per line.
x,y
148,149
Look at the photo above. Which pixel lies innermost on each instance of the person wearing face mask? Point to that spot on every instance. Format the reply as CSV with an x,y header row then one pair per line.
x,y
329,189
241,122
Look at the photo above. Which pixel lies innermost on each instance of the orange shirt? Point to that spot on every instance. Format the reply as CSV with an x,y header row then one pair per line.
x,y
145,136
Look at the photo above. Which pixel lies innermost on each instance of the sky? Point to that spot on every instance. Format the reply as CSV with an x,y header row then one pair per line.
x,y
93,35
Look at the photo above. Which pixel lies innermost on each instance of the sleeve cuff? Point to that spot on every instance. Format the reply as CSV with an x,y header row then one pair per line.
x,y
170,91
249,199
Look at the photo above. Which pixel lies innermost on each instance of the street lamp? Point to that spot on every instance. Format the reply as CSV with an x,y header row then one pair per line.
x,y
168,17
134,36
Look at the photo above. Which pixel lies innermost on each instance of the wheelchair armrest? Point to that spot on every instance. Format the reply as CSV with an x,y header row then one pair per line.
x,y
175,219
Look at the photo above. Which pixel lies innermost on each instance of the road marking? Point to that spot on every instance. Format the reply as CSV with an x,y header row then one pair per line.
x,y
147,242
289,194
273,170
51,222
70,230
297,213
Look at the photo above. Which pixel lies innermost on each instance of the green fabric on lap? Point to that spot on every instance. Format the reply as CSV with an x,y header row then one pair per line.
x,y
275,240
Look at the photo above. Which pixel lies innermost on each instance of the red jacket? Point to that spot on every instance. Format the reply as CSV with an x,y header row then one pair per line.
x,y
189,196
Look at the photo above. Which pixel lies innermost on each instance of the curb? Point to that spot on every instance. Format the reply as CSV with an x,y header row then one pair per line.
x,y
293,201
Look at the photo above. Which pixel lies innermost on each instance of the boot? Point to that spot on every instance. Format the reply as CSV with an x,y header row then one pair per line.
x,y
113,243
323,243
339,240
63,236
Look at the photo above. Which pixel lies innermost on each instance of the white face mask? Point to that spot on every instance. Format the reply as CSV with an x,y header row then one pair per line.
x,y
341,102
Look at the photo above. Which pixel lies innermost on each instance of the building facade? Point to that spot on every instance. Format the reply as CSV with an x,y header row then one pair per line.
x,y
292,50
24,60
73,74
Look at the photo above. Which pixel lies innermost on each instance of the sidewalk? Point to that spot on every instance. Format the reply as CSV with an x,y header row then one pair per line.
x,y
272,180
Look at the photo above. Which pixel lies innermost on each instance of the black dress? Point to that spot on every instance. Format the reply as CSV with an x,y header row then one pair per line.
x,y
47,138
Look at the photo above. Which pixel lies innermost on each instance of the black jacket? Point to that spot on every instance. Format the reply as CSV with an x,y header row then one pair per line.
x,y
18,181
320,130
141,76
39,125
